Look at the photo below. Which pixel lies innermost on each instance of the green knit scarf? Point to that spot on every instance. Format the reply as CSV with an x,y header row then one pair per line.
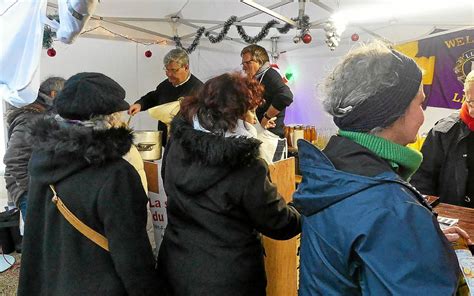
x,y
404,160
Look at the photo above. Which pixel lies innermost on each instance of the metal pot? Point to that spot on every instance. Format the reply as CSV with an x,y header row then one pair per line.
x,y
148,144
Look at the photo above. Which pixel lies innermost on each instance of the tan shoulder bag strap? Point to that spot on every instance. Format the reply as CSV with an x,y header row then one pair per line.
x,y
88,232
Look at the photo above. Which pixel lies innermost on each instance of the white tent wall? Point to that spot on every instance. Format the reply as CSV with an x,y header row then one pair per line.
x,y
125,62
310,69
309,72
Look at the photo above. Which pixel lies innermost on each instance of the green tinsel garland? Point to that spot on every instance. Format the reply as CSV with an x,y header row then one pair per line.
x,y
49,34
303,25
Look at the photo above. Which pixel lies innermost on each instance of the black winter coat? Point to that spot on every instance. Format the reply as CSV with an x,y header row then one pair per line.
x,y
443,171
219,201
105,192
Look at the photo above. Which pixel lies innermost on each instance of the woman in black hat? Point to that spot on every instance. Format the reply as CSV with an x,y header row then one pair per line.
x,y
78,174
366,230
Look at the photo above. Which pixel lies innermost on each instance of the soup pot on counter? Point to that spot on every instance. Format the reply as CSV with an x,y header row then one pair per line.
x,y
148,143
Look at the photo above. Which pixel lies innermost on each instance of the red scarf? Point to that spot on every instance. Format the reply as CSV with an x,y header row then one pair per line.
x,y
466,118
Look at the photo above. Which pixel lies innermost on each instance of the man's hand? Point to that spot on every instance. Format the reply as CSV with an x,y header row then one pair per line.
x,y
134,109
268,123
269,118
454,233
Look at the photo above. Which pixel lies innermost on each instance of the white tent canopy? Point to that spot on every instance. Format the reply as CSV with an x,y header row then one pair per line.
x,y
394,21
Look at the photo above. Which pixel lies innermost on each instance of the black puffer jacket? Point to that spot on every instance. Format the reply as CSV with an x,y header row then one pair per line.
x,y
105,192
219,201
443,171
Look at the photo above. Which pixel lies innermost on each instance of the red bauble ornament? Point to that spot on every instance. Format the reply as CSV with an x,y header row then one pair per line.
x,y
51,52
355,37
306,38
148,53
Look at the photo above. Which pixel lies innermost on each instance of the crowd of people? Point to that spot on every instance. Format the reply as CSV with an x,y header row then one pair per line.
x,y
365,227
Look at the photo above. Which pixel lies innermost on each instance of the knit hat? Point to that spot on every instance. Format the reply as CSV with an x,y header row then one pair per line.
x,y
89,94
387,105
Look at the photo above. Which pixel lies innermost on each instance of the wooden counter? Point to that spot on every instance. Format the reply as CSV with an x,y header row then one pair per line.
x,y
465,216
281,260
151,171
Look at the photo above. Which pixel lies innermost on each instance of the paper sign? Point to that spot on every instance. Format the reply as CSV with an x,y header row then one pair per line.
x,y
158,202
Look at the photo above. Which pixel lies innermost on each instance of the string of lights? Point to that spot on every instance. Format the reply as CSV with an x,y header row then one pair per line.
x,y
49,36
123,36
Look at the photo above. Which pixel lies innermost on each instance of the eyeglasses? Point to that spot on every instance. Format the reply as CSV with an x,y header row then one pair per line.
x,y
171,70
247,62
470,102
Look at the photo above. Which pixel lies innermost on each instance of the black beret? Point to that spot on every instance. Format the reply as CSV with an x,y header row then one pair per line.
x,y
90,94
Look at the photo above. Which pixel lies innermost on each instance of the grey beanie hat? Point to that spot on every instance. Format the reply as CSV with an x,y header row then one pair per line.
x,y
89,94
387,105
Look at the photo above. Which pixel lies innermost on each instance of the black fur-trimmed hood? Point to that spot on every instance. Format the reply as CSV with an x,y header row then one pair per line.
x,y
197,160
214,150
61,150
94,146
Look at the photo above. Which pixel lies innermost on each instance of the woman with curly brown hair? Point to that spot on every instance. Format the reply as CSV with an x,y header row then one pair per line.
x,y
219,196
